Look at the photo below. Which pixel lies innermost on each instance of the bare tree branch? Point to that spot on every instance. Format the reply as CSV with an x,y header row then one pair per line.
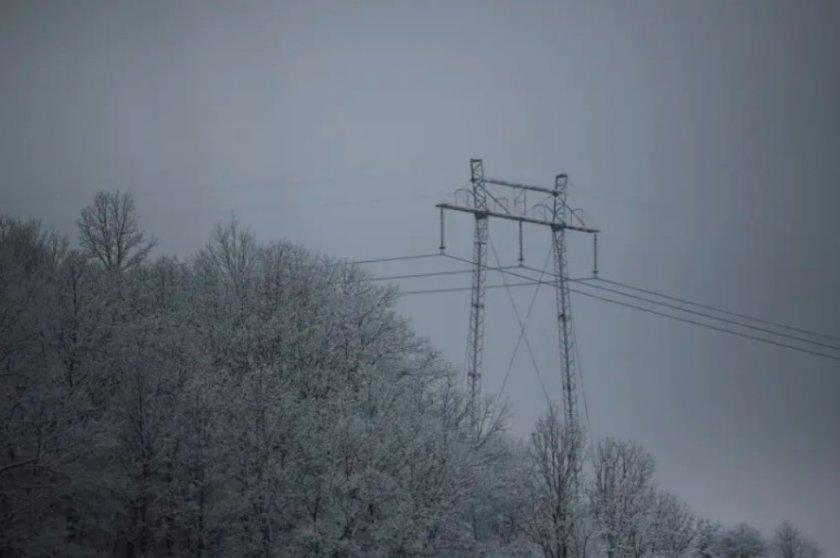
x,y
109,232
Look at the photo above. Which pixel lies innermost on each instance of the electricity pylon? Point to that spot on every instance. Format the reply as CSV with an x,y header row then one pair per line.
x,y
482,203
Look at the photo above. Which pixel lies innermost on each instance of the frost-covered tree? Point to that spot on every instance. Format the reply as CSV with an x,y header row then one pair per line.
x,y
742,541
343,433
673,527
230,258
789,542
622,498
260,400
556,506
706,539
35,432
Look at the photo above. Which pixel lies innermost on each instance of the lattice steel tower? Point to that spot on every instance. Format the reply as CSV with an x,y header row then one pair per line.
x,y
562,297
475,339
483,204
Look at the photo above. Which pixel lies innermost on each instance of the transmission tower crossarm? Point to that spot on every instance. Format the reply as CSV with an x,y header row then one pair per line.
x,y
518,186
521,219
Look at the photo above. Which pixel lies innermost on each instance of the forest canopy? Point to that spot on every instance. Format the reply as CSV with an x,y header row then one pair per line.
x,y
262,400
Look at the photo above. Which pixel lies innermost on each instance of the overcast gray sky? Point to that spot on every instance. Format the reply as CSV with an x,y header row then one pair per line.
x,y
701,136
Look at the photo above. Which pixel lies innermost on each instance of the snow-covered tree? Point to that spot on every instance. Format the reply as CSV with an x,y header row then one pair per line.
x,y
742,541
789,542
673,527
34,402
622,498
260,400
556,506
706,539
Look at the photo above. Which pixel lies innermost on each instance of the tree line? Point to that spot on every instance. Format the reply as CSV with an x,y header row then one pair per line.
x,y
260,400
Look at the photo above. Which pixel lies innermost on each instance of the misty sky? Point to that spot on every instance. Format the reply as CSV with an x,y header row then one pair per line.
x,y
701,136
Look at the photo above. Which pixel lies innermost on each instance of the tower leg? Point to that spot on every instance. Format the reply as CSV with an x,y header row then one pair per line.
x,y
475,342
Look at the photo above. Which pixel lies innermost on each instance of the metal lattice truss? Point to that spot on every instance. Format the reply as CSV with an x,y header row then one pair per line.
x,y
489,197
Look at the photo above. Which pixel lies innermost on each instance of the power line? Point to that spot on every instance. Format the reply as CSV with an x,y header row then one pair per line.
x,y
506,269
716,309
392,259
709,326
459,259
708,316
433,274
461,289
633,306
702,314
